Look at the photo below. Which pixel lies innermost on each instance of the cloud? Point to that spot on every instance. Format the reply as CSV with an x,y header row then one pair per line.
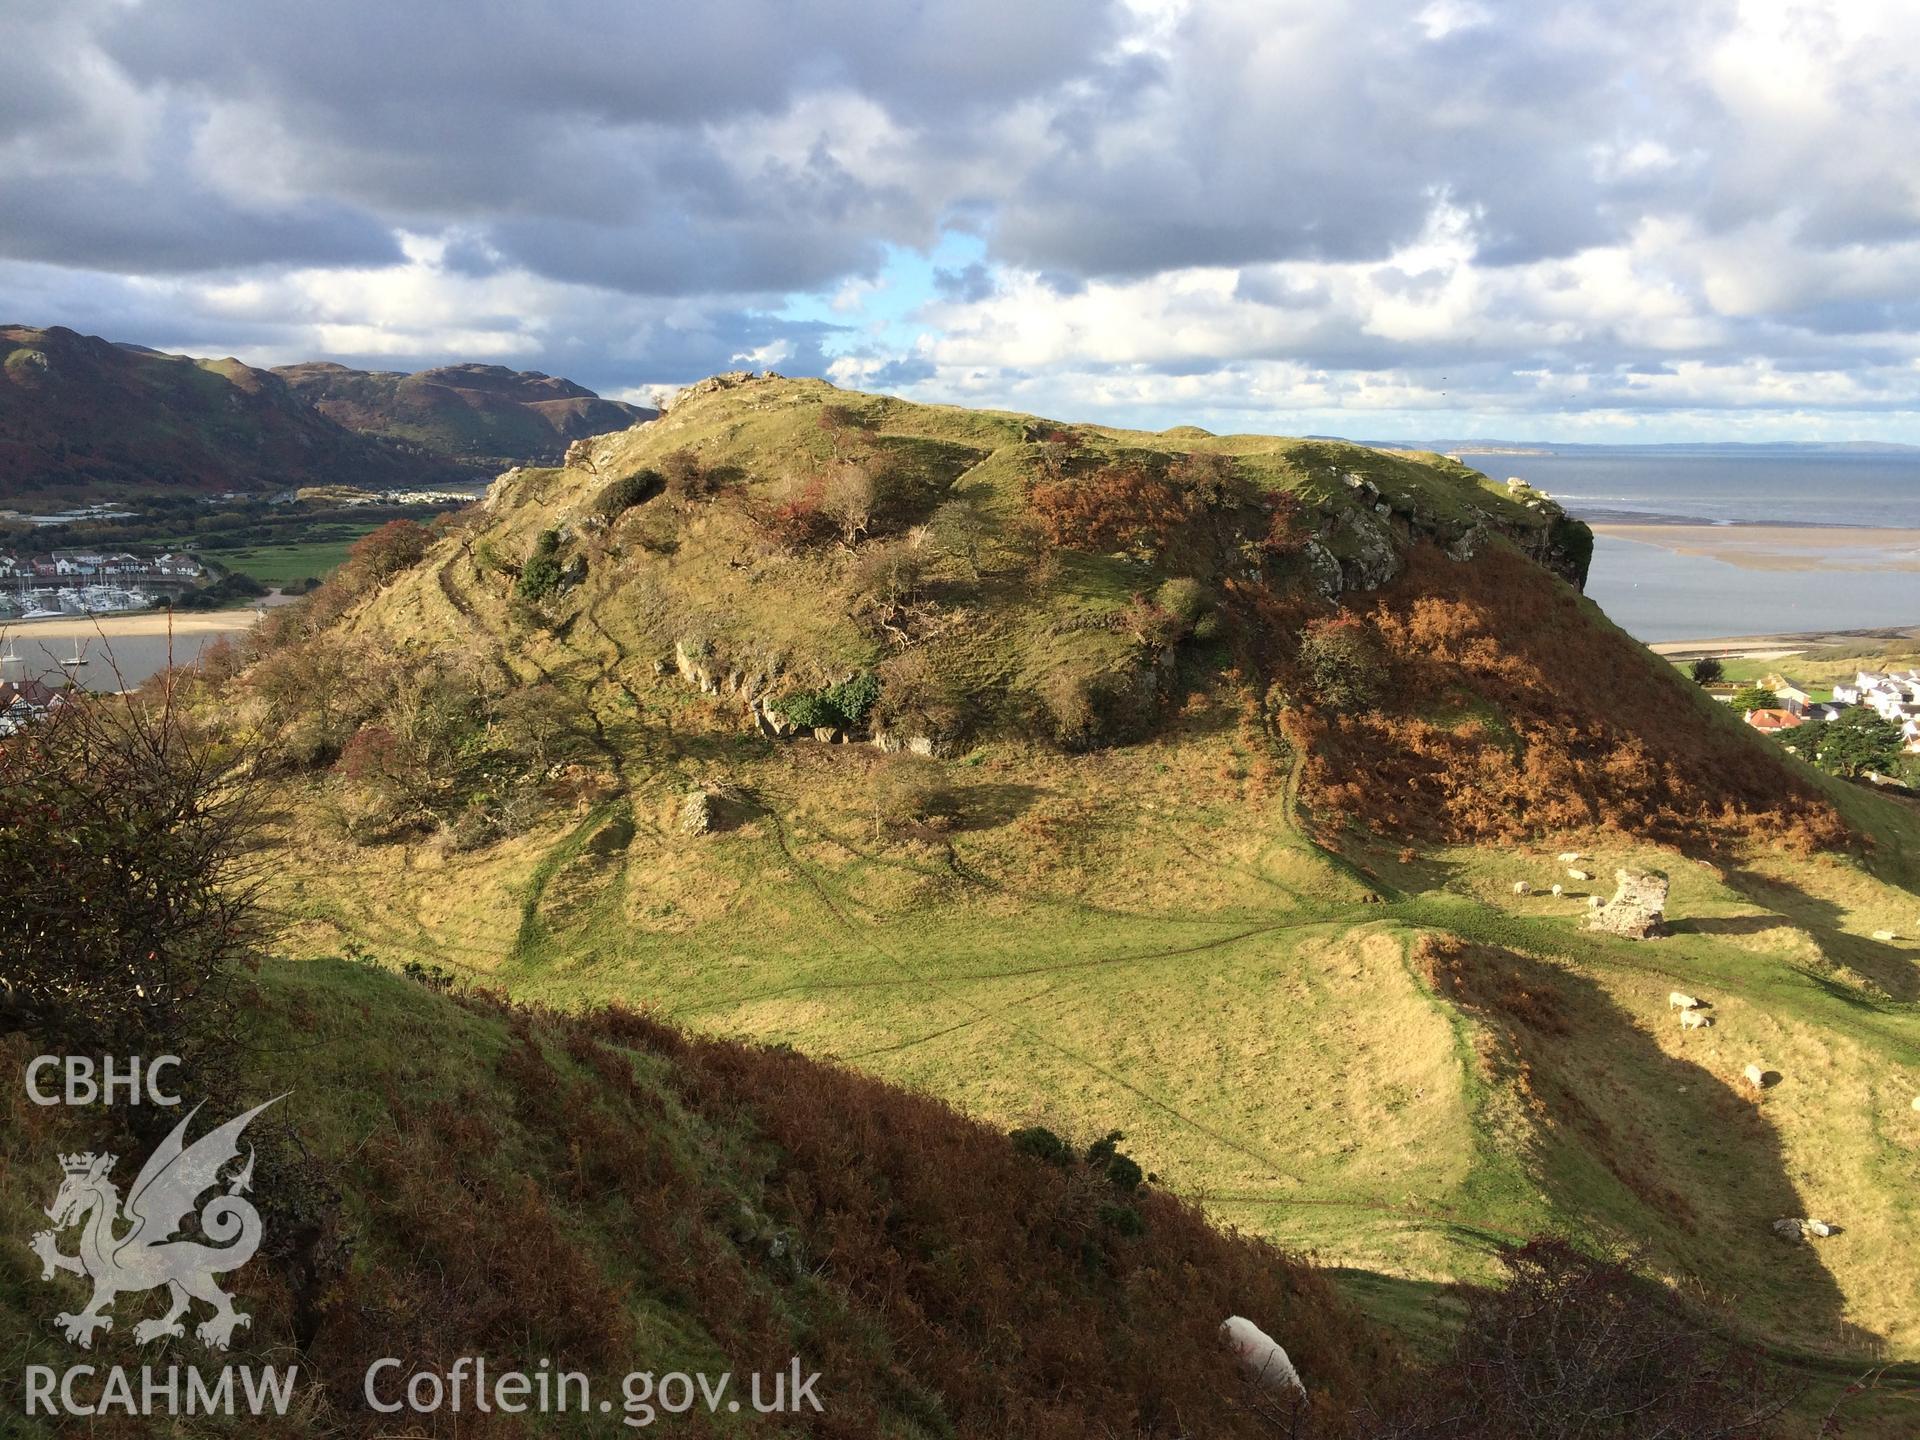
x,y
1409,207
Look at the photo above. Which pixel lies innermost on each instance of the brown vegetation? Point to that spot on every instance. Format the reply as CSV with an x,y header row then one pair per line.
x,y
1569,1347
1513,712
1118,507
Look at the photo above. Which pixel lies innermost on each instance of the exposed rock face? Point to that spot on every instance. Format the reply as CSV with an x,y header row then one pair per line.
x,y
888,743
1353,551
1637,910
696,813
694,661
731,380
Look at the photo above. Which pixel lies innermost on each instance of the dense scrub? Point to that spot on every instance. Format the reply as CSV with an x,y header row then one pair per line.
x,y
1512,711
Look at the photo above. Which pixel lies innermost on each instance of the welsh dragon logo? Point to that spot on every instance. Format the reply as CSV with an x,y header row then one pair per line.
x,y
152,1253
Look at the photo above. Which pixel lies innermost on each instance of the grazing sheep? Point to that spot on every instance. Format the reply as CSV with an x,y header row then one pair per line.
x,y
1259,1356
1695,1020
1521,887
1594,902
1916,1102
1578,875
1819,1227
1677,1001
1571,857
1558,892
1756,1077
1885,935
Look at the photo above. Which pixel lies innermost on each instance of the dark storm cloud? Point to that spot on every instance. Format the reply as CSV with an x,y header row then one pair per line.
x,y
581,120
152,228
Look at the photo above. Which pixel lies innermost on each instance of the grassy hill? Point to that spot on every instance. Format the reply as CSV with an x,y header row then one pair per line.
x,y
482,414
84,419
1150,874
454,1176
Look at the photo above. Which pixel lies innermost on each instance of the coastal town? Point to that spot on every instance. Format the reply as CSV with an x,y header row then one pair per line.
x,y
89,582
1893,696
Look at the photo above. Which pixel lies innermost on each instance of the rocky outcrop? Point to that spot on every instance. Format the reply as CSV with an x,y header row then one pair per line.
x,y
1353,550
1796,1229
729,381
1357,543
694,662
888,743
1637,910
696,813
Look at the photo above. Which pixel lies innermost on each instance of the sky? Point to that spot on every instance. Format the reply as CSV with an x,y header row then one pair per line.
x,y
1590,220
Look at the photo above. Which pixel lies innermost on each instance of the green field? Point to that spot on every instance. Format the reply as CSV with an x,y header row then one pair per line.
x,y
278,564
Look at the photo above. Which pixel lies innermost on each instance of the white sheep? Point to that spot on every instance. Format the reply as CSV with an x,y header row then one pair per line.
x,y
1695,1020
1756,1077
1262,1359
1916,1102
1558,891
1594,902
1570,857
1678,1001
1885,935
1819,1227
1578,875
1521,887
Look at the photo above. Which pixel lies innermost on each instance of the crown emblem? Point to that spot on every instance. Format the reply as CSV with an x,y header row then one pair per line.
x,y
81,1163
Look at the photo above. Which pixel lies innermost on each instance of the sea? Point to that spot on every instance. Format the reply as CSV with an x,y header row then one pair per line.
x,y
1656,594
116,655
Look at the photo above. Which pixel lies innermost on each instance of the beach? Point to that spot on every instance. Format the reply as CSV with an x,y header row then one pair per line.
x,y
149,624
1778,547
1776,647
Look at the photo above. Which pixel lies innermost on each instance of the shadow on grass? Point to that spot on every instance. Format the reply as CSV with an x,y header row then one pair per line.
x,y
990,805
1638,1147
1727,925
1887,966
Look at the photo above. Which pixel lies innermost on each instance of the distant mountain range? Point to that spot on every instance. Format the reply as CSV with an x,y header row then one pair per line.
x,y
486,414
1710,447
83,418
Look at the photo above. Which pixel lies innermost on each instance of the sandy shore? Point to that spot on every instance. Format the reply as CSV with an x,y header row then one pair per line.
x,y
142,623
1777,647
1780,547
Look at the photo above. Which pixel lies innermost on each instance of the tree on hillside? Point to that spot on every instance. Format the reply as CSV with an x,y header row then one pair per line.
x,y
1857,741
850,498
129,909
395,546
541,575
1755,697
687,477
1707,671
1342,662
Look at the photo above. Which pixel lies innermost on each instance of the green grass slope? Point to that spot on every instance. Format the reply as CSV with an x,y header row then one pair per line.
x,y
1148,906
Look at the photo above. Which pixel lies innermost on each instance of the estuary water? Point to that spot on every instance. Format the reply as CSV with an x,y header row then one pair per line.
x,y
1678,584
